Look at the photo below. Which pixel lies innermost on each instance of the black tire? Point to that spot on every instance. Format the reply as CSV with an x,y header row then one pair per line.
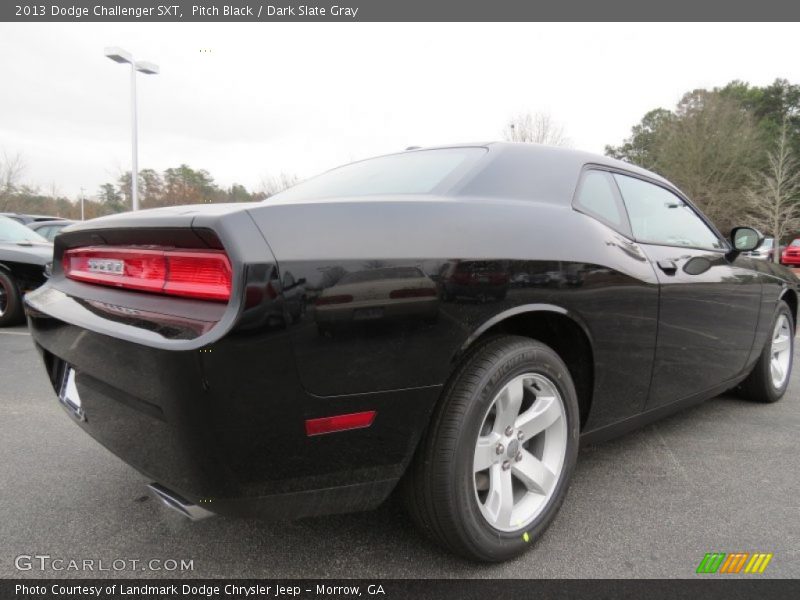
x,y
11,311
759,386
439,487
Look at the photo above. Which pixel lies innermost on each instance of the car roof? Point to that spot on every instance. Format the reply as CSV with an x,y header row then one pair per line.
x,y
565,155
539,172
514,170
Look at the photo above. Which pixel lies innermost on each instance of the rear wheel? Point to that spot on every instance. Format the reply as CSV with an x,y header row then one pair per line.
x,y
769,378
494,466
11,311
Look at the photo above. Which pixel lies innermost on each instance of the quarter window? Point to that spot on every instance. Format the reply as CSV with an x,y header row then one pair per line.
x,y
658,216
598,197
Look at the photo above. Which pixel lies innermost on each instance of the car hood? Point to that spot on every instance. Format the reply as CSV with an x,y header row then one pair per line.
x,y
33,253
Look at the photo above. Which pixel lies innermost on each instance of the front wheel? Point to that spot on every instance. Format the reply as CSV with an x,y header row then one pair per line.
x,y
769,378
11,311
494,466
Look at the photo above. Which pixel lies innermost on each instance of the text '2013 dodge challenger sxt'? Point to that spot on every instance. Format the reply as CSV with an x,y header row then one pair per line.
x,y
453,320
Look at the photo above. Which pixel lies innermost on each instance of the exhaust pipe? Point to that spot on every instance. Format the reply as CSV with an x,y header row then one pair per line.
x,y
179,504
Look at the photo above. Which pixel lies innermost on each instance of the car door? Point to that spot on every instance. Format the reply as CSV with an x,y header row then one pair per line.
x,y
708,298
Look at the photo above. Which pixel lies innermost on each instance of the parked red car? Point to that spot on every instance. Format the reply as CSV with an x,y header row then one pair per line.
x,y
791,254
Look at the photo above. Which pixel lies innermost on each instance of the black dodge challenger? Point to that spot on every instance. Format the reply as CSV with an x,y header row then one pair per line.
x,y
455,320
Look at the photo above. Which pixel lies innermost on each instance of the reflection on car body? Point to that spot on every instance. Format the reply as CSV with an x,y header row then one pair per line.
x,y
475,279
376,294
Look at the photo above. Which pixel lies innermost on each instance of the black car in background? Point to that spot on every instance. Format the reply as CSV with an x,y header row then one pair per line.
x,y
24,257
563,297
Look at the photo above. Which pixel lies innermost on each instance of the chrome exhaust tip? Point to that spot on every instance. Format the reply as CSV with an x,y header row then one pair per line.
x,y
179,504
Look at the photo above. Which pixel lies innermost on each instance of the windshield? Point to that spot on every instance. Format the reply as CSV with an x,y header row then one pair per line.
x,y
419,172
13,231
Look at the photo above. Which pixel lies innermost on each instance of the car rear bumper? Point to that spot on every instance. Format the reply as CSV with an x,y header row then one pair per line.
x,y
223,425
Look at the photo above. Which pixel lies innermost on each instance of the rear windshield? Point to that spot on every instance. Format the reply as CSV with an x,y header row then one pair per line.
x,y
795,243
14,231
419,172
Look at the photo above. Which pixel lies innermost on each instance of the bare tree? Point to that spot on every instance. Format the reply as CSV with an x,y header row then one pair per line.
x,y
537,128
709,150
774,196
272,185
11,168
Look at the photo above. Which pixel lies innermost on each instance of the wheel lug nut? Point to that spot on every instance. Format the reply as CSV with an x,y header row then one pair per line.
x,y
506,465
509,431
500,449
520,436
518,457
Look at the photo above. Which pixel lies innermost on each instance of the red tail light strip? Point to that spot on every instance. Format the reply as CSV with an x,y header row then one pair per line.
x,y
357,420
203,274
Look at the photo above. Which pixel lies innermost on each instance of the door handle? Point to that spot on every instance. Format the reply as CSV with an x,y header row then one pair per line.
x,y
668,266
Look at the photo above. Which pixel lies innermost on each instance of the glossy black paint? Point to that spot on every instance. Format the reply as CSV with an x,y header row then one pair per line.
x,y
210,399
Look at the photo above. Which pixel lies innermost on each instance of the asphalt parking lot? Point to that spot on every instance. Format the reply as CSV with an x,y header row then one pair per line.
x,y
722,476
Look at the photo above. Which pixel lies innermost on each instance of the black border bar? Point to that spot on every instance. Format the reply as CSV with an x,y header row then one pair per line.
x,y
708,587
398,10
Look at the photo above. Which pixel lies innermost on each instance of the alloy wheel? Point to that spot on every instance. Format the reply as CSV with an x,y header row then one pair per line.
x,y
781,351
520,452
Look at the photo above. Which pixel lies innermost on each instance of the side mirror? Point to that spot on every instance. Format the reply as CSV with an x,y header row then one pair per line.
x,y
745,239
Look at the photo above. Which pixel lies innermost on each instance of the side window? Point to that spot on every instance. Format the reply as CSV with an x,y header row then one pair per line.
x,y
660,217
598,197
45,232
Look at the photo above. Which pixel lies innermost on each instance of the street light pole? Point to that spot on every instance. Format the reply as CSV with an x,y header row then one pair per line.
x,y
134,143
121,56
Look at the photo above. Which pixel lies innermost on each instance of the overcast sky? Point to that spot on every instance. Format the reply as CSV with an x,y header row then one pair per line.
x,y
247,101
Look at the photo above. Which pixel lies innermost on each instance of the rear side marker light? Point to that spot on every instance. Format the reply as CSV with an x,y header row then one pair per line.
x,y
357,420
202,274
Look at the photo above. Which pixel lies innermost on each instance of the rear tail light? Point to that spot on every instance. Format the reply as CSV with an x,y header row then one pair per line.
x,y
203,274
413,293
341,299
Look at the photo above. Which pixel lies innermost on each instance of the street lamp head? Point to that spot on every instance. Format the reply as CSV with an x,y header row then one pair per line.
x,y
118,55
147,68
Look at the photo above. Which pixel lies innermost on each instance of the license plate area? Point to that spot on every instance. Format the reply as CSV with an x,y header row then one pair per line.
x,y
68,394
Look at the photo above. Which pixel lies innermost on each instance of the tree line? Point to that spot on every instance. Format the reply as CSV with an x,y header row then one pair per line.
x,y
171,187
